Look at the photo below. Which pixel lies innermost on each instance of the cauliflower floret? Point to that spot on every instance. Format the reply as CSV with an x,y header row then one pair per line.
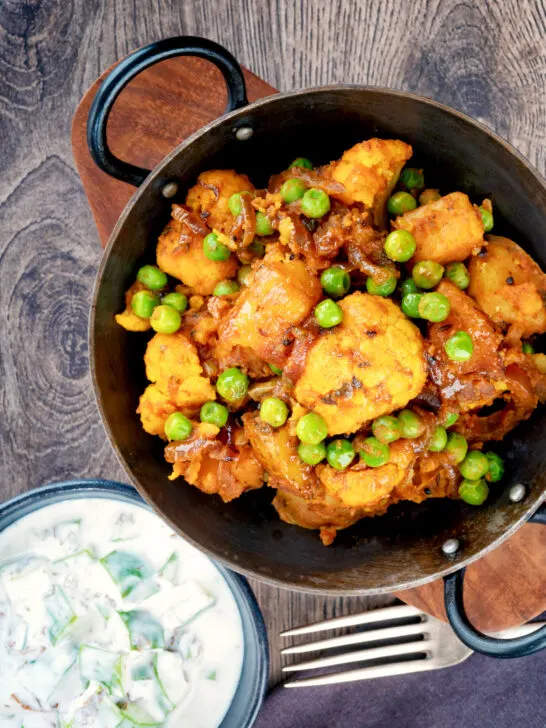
x,y
283,293
172,361
209,197
180,254
510,287
447,230
369,171
128,318
369,365
154,408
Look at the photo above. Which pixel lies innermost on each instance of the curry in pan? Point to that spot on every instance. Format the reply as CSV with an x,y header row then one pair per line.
x,y
346,336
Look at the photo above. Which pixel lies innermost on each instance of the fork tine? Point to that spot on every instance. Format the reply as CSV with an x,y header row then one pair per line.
x,y
350,620
365,673
358,638
406,648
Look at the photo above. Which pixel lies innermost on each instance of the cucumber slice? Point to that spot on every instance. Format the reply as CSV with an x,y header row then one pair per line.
x,y
142,686
124,528
138,716
85,581
142,591
26,581
138,666
68,688
68,534
101,665
145,631
18,633
60,613
127,570
40,677
186,602
169,570
169,671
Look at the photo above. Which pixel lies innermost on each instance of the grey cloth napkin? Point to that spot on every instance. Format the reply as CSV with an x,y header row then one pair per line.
x,y
479,693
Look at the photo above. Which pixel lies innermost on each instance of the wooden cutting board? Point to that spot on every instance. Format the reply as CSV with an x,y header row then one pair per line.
x,y
158,110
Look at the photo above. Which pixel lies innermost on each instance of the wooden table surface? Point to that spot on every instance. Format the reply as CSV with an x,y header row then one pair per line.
x,y
487,58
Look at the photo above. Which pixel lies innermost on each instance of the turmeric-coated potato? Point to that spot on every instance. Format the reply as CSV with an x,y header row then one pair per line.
x,y
283,293
447,230
369,171
172,361
510,287
209,197
369,365
128,318
180,254
369,488
154,408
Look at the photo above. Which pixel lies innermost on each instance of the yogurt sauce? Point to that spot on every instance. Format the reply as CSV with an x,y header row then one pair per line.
x,y
109,620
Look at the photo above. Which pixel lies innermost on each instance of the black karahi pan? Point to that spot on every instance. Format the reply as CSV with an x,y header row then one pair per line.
x,y
412,544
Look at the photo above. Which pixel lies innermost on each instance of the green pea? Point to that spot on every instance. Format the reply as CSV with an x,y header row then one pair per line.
x,y
177,300
434,307
177,426
302,162
400,203
340,454
408,286
226,288
410,304
263,226
315,203
496,467
412,178
458,274
328,314
427,273
165,320
386,429
311,429
293,189
232,384
474,492
451,419
335,281
274,411
312,454
411,425
457,447
275,370
235,203
243,274
459,347
487,219
214,413
257,248
474,466
374,453
214,249
438,440
400,246
381,289
152,277
143,303
527,348
428,196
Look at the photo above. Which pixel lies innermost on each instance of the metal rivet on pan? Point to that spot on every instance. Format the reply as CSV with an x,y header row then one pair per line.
x,y
517,493
170,189
451,546
243,133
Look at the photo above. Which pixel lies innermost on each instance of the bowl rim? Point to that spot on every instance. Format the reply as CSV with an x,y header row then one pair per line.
x,y
33,500
238,118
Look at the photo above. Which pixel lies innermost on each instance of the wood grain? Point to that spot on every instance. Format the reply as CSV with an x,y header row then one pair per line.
x,y
486,58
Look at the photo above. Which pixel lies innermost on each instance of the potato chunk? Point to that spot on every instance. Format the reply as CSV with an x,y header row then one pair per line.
x,y
282,294
369,488
180,254
510,287
171,360
369,365
369,171
128,318
209,197
447,230
154,408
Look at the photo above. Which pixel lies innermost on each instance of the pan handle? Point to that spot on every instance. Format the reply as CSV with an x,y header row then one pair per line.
x,y
131,66
477,641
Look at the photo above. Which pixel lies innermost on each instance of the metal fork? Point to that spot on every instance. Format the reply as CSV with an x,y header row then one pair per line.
x,y
431,643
